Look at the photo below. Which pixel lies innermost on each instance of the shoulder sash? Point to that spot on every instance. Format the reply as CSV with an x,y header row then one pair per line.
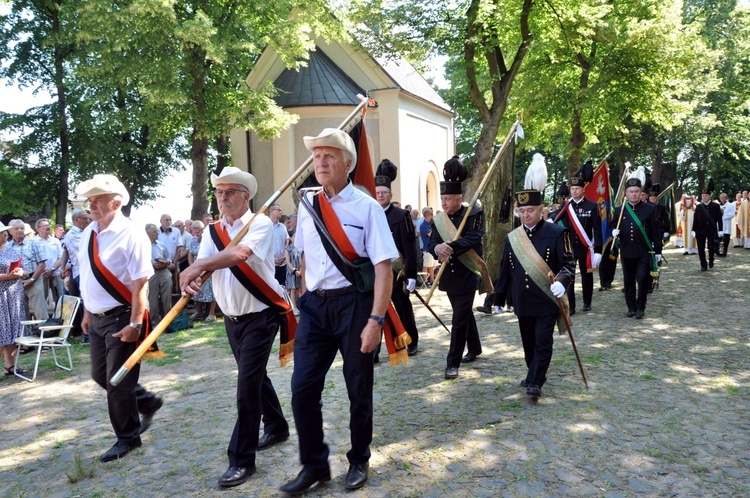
x,y
582,235
649,248
470,259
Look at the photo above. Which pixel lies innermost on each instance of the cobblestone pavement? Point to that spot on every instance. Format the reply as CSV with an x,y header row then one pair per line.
x,y
666,413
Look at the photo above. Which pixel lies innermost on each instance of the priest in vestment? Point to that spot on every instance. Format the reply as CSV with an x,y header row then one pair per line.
x,y
738,237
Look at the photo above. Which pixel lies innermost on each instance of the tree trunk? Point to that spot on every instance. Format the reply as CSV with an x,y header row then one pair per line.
x,y
61,205
199,156
223,159
577,136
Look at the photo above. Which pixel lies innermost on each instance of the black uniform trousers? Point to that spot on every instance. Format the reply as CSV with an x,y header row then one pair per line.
x,y
405,310
587,282
607,269
464,329
108,354
537,335
702,241
328,325
251,337
635,273
280,275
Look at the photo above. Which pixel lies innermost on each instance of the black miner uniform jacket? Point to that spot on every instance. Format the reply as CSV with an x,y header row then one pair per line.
x,y
588,214
707,225
402,229
552,242
456,277
632,244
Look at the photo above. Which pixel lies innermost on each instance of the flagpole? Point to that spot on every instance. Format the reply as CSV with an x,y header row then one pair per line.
x,y
178,307
665,191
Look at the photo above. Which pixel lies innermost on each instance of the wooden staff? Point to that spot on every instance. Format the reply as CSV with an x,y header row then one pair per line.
x,y
164,323
482,184
622,209
664,192
551,276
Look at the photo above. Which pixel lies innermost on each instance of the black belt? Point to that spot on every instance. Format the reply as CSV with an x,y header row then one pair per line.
x,y
335,292
118,310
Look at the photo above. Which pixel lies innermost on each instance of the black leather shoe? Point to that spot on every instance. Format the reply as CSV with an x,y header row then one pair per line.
x,y
710,264
639,314
376,359
411,350
147,418
268,440
484,309
586,307
357,476
120,449
234,476
534,391
631,313
306,479
469,357
524,383
703,268
451,373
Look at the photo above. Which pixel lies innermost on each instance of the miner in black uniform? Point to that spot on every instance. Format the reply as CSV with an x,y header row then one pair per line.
x,y
465,268
531,252
586,238
404,268
662,220
640,246
707,227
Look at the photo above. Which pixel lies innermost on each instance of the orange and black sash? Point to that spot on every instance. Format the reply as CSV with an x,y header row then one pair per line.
x,y
120,292
261,291
396,337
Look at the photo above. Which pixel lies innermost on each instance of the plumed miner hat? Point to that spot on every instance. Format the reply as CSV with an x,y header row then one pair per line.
x,y
385,174
454,173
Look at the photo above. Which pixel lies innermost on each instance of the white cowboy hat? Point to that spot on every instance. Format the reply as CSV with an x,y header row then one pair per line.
x,y
103,184
333,137
231,174
3,227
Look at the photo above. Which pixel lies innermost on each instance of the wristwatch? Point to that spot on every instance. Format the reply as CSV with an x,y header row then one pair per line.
x,y
136,326
379,319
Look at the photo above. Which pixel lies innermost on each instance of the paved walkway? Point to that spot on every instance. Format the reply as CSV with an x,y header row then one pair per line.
x,y
667,413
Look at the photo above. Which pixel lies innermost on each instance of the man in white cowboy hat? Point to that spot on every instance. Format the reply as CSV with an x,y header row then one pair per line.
x,y
335,314
251,319
115,254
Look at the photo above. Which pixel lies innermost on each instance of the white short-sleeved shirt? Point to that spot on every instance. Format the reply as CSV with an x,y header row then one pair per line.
x,y
125,251
171,239
231,295
53,248
366,227
72,242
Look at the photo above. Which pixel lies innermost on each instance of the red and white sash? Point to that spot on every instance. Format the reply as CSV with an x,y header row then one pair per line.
x,y
576,224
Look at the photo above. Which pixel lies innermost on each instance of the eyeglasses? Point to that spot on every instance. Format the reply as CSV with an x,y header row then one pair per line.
x,y
228,192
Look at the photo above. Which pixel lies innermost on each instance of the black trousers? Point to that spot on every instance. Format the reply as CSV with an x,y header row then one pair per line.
x,y
464,329
725,240
537,335
328,325
108,354
635,277
702,241
251,338
607,269
280,275
405,310
587,282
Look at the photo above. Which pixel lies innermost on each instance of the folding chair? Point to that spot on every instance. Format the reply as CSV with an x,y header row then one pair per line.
x,y
67,306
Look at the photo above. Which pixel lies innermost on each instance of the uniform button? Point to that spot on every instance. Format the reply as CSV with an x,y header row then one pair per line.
x,y
527,286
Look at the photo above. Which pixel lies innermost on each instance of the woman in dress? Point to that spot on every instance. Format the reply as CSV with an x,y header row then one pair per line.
x,y
293,275
206,294
11,301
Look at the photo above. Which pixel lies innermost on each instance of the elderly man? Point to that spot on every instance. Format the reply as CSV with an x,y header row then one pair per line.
x,y
706,228
532,251
33,262
172,238
68,262
335,313
160,283
53,248
465,270
115,268
252,302
280,235
187,238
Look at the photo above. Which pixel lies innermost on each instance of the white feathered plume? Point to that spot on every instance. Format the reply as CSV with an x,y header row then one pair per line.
x,y
536,175
639,173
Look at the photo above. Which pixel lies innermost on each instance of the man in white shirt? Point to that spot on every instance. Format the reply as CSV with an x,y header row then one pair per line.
x,y
160,283
280,234
53,246
727,219
172,238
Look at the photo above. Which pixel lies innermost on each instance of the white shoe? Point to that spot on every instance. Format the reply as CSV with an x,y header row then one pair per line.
x,y
497,309
210,318
509,309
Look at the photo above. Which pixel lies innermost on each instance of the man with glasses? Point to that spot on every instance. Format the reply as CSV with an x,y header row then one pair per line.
x,y
71,243
53,248
33,262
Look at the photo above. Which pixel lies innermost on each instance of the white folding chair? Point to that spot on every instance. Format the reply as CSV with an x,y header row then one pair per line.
x,y
67,306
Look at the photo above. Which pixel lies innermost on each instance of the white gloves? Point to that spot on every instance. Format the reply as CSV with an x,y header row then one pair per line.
x,y
558,289
615,233
596,260
692,234
411,284
658,258
665,235
721,234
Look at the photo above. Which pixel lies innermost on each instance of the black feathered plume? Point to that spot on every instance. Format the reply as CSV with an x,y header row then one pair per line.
x,y
586,172
647,184
387,168
454,170
711,186
564,190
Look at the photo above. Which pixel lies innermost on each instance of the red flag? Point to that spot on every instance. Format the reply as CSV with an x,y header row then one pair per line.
x,y
363,173
598,191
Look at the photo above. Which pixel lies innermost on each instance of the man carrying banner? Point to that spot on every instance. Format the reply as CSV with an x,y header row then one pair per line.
x,y
532,253
465,271
640,246
342,308
115,265
581,216
254,308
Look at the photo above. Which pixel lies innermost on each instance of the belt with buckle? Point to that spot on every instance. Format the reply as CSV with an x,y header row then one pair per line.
x,y
117,310
335,292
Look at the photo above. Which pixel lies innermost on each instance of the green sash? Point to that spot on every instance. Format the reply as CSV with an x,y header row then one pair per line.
x,y
537,269
637,221
470,259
